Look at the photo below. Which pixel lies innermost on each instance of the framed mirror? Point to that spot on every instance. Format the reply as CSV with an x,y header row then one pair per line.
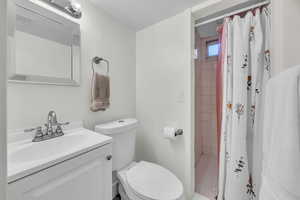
x,y
45,47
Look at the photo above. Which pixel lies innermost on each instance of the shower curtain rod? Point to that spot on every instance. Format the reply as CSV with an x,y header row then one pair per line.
x,y
232,13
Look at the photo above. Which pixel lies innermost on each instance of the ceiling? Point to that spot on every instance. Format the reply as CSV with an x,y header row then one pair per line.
x,y
139,14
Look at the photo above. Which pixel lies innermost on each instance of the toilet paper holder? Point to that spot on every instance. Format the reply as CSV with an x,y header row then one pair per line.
x,y
179,132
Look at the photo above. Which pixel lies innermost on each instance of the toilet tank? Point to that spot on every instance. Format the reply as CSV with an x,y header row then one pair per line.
x,y
123,132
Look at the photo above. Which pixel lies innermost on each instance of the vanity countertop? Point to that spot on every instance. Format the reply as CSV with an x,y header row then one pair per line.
x,y
25,157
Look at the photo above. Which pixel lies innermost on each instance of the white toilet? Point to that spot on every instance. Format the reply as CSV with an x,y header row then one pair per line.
x,y
138,180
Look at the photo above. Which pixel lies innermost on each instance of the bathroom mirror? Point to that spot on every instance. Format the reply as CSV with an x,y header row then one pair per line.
x,y
46,47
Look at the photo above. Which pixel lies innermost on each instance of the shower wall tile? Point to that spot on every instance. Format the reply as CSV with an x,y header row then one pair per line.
x,y
206,133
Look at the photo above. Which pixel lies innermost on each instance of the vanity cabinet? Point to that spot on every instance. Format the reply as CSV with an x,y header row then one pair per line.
x,y
88,176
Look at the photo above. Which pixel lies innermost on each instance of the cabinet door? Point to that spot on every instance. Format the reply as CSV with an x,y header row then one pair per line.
x,y
85,177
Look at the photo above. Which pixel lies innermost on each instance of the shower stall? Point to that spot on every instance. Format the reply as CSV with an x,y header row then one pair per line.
x,y
206,165
232,67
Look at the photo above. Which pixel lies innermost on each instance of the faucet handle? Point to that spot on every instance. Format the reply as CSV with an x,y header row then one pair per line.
x,y
63,124
38,133
59,129
38,129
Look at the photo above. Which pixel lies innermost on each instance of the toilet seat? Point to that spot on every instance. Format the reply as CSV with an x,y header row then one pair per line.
x,y
149,181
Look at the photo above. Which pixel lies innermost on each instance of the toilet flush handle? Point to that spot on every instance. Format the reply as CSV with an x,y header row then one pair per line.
x,y
108,157
179,132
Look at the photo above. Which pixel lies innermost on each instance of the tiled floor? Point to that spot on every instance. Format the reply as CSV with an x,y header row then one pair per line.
x,y
206,176
200,197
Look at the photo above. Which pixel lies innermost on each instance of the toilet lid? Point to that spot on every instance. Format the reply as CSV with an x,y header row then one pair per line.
x,y
154,182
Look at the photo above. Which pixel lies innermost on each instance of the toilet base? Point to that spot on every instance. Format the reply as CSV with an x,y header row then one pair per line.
x,y
122,192
125,192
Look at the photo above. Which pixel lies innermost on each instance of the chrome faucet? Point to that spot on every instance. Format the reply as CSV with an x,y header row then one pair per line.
x,y
48,132
52,121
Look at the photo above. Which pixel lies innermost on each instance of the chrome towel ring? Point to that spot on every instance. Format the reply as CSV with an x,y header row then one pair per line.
x,y
97,60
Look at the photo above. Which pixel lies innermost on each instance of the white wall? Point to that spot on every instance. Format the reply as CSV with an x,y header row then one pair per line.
x,y
28,105
3,36
163,94
285,32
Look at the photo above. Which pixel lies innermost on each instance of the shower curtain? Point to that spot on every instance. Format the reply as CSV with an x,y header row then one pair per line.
x,y
246,69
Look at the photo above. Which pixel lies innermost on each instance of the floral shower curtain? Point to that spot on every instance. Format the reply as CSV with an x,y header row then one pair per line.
x,y
246,68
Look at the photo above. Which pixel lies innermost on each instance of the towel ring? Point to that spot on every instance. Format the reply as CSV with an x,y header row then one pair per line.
x,y
97,60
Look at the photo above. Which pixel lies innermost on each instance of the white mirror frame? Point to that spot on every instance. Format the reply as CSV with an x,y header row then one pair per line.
x,y
31,79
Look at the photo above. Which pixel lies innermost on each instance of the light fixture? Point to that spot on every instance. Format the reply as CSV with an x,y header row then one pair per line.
x,y
70,7
74,8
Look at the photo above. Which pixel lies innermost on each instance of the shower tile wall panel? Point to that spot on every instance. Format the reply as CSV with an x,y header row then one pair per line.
x,y
206,133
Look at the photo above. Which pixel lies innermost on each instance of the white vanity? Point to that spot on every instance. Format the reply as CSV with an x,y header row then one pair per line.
x,y
52,164
75,166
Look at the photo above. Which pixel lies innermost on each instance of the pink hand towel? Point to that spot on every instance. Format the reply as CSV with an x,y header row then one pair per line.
x,y
100,93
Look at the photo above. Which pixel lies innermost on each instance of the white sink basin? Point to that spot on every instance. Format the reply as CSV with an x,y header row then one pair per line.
x,y
26,157
50,148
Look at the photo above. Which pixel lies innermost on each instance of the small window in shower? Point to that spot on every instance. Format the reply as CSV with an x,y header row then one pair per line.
x,y
212,48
